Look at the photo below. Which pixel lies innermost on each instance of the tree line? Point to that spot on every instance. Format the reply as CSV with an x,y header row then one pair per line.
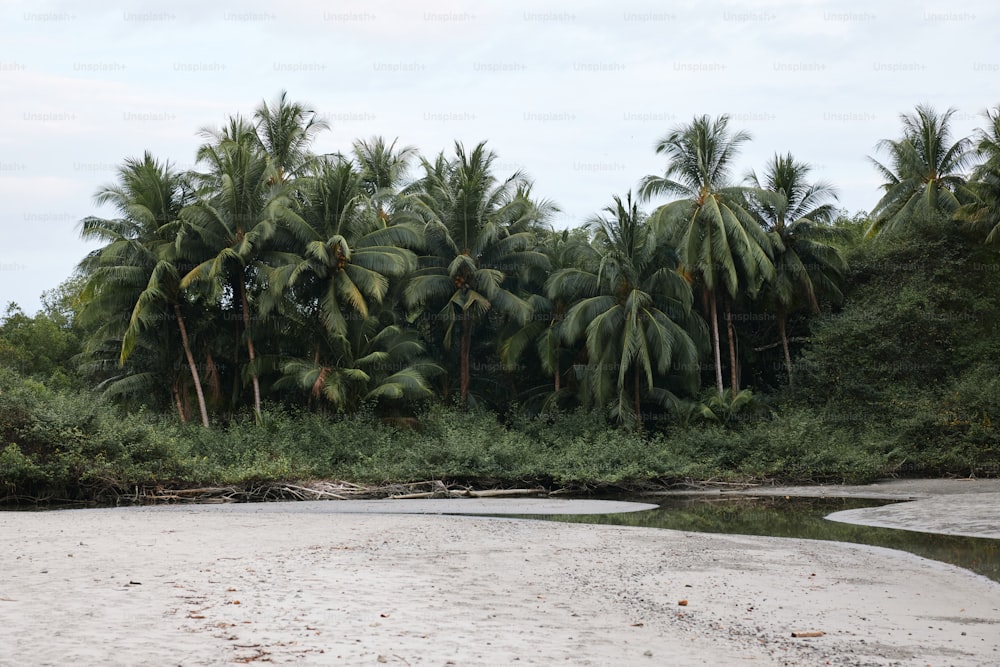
x,y
381,277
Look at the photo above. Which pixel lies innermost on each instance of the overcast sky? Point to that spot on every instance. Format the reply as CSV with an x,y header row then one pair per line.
x,y
576,94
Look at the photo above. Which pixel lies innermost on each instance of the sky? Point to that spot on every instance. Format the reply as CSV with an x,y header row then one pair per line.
x,y
576,94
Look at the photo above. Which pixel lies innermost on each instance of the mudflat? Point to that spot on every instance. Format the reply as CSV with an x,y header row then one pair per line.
x,y
292,584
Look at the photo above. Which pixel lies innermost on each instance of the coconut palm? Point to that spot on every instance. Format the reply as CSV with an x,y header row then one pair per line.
x,y
798,215
564,249
350,251
285,131
925,172
243,204
138,270
374,361
984,211
383,169
479,231
717,239
631,312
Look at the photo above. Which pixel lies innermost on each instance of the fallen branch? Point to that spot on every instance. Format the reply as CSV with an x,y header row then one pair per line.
x,y
315,492
495,493
415,496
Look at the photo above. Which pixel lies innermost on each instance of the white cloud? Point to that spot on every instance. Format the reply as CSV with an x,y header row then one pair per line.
x,y
577,94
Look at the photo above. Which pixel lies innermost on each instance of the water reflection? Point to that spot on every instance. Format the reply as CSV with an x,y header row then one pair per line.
x,y
802,518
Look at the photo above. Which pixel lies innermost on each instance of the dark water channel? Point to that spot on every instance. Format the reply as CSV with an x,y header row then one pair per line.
x,y
801,518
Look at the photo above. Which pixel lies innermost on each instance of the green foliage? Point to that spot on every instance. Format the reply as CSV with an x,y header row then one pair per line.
x,y
40,346
336,287
914,350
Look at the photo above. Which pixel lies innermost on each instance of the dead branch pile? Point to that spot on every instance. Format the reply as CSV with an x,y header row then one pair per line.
x,y
311,490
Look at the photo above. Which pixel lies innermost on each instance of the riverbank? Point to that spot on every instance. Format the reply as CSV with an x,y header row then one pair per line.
x,y
283,583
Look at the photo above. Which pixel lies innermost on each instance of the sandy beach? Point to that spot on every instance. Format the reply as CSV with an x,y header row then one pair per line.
x,y
307,583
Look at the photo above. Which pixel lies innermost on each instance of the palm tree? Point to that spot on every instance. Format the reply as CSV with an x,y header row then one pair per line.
x,y
479,231
564,249
349,252
243,204
375,361
798,215
633,305
383,170
285,131
718,240
984,210
138,270
925,170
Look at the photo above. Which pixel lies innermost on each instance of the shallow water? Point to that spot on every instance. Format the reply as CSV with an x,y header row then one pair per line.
x,y
801,518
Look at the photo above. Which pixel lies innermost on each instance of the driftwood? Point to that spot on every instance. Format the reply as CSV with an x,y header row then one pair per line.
x,y
415,496
439,490
808,634
309,490
496,493
468,493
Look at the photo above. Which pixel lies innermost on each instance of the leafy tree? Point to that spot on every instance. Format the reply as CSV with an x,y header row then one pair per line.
x,y
718,240
925,173
41,346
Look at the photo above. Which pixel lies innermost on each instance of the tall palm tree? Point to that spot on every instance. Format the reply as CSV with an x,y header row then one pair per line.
x,y
242,205
925,171
798,215
383,169
718,240
631,314
286,131
983,211
138,270
479,231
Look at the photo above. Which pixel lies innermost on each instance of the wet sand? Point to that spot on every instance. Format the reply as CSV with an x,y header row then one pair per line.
x,y
300,583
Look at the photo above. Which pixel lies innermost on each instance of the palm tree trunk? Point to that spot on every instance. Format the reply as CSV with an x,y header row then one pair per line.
x,y
466,353
784,343
714,316
733,363
309,400
250,349
177,403
559,316
194,368
234,393
638,405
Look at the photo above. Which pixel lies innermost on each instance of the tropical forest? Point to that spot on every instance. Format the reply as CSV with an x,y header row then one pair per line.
x,y
276,318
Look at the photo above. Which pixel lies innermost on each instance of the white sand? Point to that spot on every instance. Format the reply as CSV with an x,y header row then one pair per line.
x,y
204,587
